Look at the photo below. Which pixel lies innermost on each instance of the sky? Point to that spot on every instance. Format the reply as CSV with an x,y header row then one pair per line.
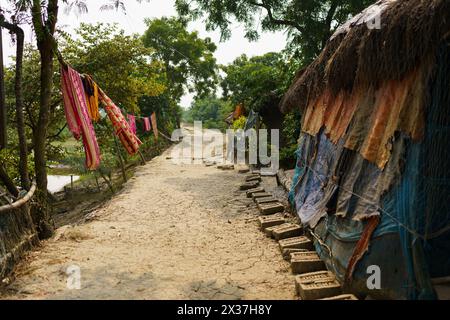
x,y
132,21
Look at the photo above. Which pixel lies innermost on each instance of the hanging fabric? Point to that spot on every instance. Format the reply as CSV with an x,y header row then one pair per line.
x,y
121,127
132,122
91,90
147,125
78,120
154,125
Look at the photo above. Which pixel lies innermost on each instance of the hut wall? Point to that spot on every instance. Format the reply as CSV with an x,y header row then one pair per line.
x,y
337,190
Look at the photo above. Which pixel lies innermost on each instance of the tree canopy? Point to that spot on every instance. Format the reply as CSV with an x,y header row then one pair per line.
x,y
211,110
121,64
188,59
255,82
308,23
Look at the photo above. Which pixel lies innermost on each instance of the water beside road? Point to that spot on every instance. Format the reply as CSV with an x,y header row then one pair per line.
x,y
57,183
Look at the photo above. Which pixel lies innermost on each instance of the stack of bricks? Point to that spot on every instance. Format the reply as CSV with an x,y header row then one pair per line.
x,y
312,280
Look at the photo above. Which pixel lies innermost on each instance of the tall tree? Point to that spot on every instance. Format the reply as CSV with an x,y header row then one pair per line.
x,y
44,16
189,60
257,83
23,149
309,23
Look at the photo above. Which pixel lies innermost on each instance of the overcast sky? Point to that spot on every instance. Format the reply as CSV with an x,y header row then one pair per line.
x,y
133,22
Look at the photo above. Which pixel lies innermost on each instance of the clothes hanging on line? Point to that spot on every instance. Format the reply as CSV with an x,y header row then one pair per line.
x,y
154,125
132,122
78,120
91,90
121,127
147,125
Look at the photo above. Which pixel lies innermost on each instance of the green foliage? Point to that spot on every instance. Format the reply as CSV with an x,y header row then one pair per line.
x,y
239,123
9,157
256,82
211,111
118,63
291,132
189,60
308,23
30,84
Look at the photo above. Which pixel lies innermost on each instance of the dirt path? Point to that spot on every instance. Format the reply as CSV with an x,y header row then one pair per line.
x,y
174,232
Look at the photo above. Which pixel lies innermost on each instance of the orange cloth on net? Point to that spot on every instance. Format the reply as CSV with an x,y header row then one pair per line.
x,y
121,127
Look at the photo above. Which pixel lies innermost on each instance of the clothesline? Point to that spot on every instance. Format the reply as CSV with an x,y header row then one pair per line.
x,y
81,97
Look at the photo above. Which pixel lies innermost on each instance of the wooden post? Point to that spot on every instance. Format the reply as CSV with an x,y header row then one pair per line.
x,y
71,181
122,166
96,181
258,125
142,157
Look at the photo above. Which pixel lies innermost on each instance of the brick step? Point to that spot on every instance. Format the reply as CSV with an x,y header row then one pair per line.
x,y
305,262
342,297
258,195
250,192
249,185
270,221
301,242
265,200
270,208
286,253
226,167
317,285
293,230
285,226
250,179
268,231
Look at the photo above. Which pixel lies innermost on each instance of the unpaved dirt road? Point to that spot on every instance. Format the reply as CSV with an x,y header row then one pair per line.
x,y
174,232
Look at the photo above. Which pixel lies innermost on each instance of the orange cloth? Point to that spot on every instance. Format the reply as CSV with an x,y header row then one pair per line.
x,y
121,127
91,90
368,120
238,112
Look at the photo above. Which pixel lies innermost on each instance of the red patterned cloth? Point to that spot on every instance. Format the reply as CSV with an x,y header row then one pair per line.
x,y
147,125
78,120
132,123
121,127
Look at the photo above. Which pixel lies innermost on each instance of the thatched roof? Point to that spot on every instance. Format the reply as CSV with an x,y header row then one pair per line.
x,y
363,57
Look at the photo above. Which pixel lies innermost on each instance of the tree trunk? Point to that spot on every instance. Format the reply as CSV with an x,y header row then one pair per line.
x,y
44,30
119,156
3,122
23,149
41,216
9,184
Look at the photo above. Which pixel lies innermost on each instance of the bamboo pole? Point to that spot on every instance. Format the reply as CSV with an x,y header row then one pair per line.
x,y
119,155
142,157
21,201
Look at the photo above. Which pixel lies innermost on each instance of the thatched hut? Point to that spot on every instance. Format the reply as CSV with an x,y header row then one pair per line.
x,y
373,166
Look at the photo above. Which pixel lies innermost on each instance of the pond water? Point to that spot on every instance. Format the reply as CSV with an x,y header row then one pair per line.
x,y
57,183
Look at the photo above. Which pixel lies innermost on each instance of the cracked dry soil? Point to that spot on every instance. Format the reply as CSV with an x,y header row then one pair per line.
x,y
174,232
